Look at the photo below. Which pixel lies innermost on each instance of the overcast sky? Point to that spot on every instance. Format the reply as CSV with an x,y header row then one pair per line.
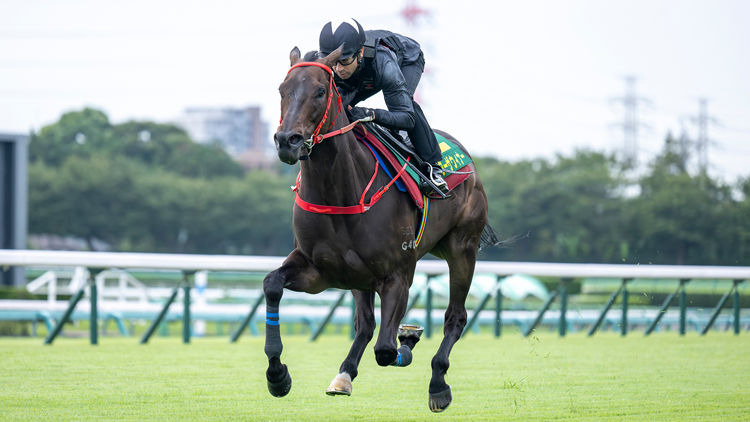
x,y
510,79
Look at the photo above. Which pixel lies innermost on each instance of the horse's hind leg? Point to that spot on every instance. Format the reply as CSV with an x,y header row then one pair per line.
x,y
461,264
364,327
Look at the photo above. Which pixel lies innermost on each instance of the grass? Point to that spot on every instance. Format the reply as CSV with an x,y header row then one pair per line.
x,y
544,377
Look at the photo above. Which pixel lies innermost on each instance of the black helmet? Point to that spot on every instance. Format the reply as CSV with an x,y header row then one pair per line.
x,y
344,31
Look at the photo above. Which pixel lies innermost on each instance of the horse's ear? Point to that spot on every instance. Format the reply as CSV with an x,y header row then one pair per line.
x,y
294,56
332,58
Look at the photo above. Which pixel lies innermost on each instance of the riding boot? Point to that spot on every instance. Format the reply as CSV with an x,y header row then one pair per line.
x,y
435,173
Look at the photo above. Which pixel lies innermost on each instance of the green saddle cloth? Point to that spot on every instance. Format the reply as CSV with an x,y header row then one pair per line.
x,y
453,157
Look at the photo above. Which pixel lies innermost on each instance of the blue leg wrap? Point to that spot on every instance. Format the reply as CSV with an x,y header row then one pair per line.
x,y
273,346
403,358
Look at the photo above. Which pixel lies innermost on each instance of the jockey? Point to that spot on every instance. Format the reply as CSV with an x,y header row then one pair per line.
x,y
373,61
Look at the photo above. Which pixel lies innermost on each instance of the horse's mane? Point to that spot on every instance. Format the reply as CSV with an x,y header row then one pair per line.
x,y
311,56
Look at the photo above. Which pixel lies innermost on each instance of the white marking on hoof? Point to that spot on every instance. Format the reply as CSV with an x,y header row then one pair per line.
x,y
340,386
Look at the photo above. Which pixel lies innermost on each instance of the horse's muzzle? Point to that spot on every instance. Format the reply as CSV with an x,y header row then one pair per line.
x,y
288,145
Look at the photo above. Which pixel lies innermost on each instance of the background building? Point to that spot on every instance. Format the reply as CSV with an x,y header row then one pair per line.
x,y
241,131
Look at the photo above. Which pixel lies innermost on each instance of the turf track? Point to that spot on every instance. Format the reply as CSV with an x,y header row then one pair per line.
x,y
661,377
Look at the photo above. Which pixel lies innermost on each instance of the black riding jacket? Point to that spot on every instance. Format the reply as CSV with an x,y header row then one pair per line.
x,y
383,73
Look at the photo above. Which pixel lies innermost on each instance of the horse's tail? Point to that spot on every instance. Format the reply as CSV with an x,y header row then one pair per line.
x,y
491,239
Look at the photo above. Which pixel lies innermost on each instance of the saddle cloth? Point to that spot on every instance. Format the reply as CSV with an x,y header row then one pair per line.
x,y
452,158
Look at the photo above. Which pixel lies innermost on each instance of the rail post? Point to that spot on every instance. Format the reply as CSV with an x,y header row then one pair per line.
x,y
563,305
475,317
94,301
236,335
625,295
71,306
411,304
603,314
428,312
155,322
498,309
664,307
683,307
328,317
186,275
717,310
541,313
352,329
736,301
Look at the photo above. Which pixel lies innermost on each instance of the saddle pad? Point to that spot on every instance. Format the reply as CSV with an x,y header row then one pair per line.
x,y
453,159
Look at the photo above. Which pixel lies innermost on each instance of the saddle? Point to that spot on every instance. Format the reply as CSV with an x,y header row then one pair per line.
x,y
392,151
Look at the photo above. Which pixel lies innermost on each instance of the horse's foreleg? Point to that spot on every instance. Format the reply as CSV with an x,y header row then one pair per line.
x,y
297,274
461,271
364,327
393,298
277,375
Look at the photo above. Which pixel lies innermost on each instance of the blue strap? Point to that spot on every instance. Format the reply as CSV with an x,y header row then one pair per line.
x,y
399,184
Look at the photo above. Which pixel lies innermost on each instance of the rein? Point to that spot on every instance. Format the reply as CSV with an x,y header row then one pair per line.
x,y
317,138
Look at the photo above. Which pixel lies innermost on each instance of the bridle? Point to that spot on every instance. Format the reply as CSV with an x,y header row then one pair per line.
x,y
316,137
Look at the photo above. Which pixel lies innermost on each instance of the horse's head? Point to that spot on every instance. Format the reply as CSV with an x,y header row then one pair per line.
x,y
307,93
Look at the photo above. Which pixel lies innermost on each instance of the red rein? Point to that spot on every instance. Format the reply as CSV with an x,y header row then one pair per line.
x,y
316,138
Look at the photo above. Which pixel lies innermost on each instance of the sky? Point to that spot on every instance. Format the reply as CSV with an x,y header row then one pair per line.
x,y
509,79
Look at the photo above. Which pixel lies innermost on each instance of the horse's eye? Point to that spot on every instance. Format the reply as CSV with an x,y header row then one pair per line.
x,y
321,92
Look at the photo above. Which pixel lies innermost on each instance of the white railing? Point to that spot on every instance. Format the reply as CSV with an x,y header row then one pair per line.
x,y
430,267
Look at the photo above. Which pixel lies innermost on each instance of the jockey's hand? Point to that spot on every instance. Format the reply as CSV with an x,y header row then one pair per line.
x,y
362,114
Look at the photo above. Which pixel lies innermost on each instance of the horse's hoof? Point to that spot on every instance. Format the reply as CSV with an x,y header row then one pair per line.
x,y
441,401
340,386
281,388
410,331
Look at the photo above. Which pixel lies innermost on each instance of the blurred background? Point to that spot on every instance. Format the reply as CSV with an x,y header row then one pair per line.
x,y
610,132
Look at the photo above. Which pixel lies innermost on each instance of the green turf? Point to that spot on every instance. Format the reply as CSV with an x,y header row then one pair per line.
x,y
661,377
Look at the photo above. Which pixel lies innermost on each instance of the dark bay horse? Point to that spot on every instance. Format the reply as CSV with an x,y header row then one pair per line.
x,y
362,252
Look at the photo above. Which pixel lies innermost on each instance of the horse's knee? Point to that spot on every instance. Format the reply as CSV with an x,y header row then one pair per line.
x,y
385,356
273,287
365,327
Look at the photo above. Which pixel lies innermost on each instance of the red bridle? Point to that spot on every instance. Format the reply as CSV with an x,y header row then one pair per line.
x,y
316,137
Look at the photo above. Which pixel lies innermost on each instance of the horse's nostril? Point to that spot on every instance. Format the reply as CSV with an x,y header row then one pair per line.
x,y
295,140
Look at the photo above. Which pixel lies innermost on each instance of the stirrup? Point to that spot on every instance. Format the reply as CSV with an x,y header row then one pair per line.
x,y
437,179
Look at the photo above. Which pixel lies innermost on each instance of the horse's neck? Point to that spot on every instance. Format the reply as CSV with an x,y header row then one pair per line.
x,y
338,169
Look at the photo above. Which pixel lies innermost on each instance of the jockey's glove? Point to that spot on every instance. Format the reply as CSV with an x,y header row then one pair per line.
x,y
359,113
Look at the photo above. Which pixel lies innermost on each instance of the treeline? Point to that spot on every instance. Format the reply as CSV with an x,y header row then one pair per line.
x,y
146,187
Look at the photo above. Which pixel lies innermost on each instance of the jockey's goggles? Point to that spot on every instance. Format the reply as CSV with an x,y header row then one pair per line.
x,y
349,60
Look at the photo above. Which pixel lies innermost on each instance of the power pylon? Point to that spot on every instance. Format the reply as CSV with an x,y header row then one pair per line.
x,y
702,120
630,125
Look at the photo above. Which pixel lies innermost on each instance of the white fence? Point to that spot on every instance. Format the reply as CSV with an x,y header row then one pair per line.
x,y
115,263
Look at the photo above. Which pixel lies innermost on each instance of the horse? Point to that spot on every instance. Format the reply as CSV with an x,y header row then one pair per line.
x,y
363,251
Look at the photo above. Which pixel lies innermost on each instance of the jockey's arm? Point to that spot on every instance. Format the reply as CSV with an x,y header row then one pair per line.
x,y
400,114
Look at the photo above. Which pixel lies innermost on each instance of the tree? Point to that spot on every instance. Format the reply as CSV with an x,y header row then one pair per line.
x,y
676,217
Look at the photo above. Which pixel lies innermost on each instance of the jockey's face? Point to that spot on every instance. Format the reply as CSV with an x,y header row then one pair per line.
x,y
346,67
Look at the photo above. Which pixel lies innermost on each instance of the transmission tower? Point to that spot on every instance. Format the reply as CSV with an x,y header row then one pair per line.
x,y
413,15
630,126
412,12
683,146
702,120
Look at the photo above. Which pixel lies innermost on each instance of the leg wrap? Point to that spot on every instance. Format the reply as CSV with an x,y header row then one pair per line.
x,y
273,346
403,358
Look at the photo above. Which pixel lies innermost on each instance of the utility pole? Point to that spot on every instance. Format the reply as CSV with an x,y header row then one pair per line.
x,y
630,124
702,120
